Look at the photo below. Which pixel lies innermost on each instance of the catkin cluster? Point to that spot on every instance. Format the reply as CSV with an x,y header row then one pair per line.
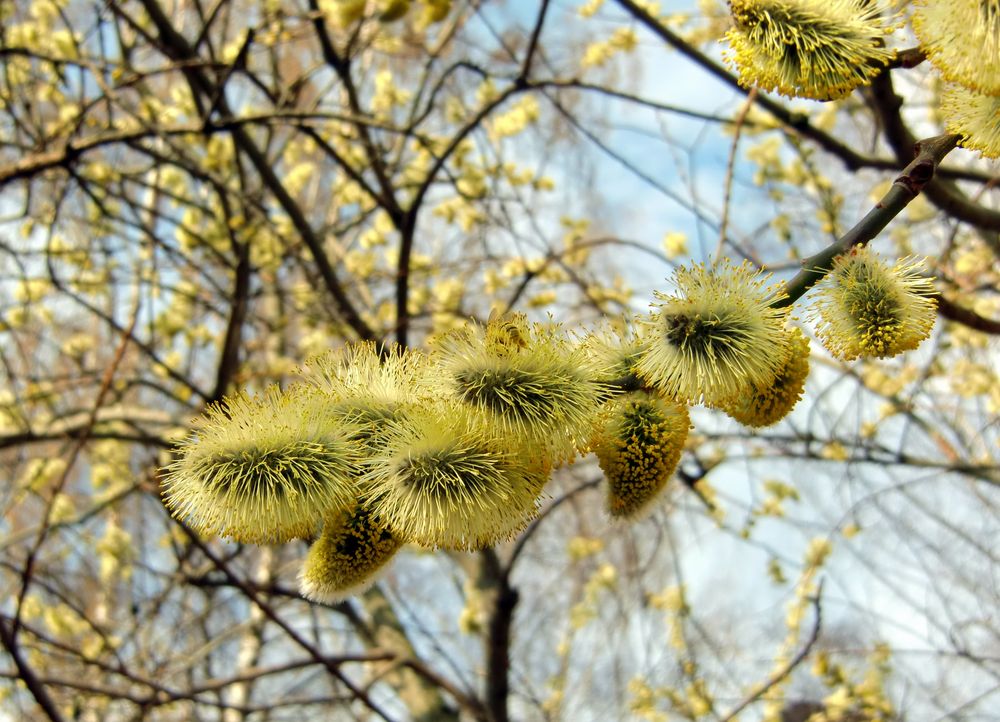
x,y
378,447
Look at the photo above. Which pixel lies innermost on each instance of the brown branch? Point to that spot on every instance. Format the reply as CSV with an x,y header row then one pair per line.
x,y
953,312
907,186
8,637
251,594
730,168
341,66
77,448
536,33
176,47
35,163
229,358
417,685
32,164
409,225
942,193
8,441
505,598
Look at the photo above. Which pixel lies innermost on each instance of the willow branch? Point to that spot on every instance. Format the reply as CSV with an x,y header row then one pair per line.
x,y
27,675
906,187
251,594
174,45
967,317
943,194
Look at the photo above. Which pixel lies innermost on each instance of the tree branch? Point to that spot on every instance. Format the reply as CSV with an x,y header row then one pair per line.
x,y
250,593
943,194
953,312
505,598
905,188
230,356
27,675
176,47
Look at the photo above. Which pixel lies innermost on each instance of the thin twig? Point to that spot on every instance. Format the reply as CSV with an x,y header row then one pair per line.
x,y
730,168
251,594
794,662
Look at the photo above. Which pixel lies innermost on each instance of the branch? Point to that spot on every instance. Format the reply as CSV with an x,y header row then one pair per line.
x,y
342,67
417,685
46,524
498,640
409,224
799,122
230,357
944,195
32,164
533,43
905,188
176,47
794,662
522,540
953,312
27,675
251,594
35,163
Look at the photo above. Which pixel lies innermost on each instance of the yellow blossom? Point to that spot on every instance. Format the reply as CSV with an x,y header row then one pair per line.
x,y
442,481
962,39
718,337
819,49
817,552
525,380
974,116
674,244
867,308
768,404
346,558
263,469
638,443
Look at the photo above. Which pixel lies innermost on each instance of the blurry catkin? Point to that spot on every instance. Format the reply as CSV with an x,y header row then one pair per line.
x,y
974,116
962,39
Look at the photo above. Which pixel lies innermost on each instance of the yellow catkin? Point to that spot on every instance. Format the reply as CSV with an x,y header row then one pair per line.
x,y
444,481
768,404
716,337
819,49
347,557
263,469
868,309
962,39
638,444
525,380
974,116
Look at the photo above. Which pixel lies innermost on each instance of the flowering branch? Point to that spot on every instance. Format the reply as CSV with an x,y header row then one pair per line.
x,y
929,153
